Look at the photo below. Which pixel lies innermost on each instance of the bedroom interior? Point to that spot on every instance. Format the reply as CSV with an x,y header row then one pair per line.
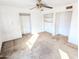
x,y
38,29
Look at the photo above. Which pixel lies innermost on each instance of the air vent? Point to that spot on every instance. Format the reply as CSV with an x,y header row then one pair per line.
x,y
69,7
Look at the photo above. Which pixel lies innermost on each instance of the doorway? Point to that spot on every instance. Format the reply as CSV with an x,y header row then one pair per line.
x,y
48,23
25,22
63,22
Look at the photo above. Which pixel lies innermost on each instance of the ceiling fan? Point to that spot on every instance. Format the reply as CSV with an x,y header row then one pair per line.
x,y
39,5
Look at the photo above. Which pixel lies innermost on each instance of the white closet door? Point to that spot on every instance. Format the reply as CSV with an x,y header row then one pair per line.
x,y
63,21
25,24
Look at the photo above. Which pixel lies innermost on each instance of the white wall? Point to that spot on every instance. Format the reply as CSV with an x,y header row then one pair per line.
x,y
73,36
36,21
0,31
9,23
11,27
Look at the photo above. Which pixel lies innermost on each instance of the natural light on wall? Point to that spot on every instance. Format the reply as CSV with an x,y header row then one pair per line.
x,y
32,40
63,54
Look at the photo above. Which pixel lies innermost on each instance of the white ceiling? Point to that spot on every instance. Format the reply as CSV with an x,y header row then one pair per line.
x,y
31,3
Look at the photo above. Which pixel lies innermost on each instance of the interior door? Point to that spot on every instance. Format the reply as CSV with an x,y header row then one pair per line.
x,y
63,22
48,23
25,23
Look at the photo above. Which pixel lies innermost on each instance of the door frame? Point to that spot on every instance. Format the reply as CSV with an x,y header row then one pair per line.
x,y
26,14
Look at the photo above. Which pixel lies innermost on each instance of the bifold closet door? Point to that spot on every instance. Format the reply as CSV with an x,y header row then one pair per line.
x,y
25,23
63,21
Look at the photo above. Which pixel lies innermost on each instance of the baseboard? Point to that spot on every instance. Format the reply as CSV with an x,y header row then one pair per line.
x,y
72,45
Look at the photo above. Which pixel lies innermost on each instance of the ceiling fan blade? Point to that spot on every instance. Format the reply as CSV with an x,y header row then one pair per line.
x,y
39,0
47,6
33,8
